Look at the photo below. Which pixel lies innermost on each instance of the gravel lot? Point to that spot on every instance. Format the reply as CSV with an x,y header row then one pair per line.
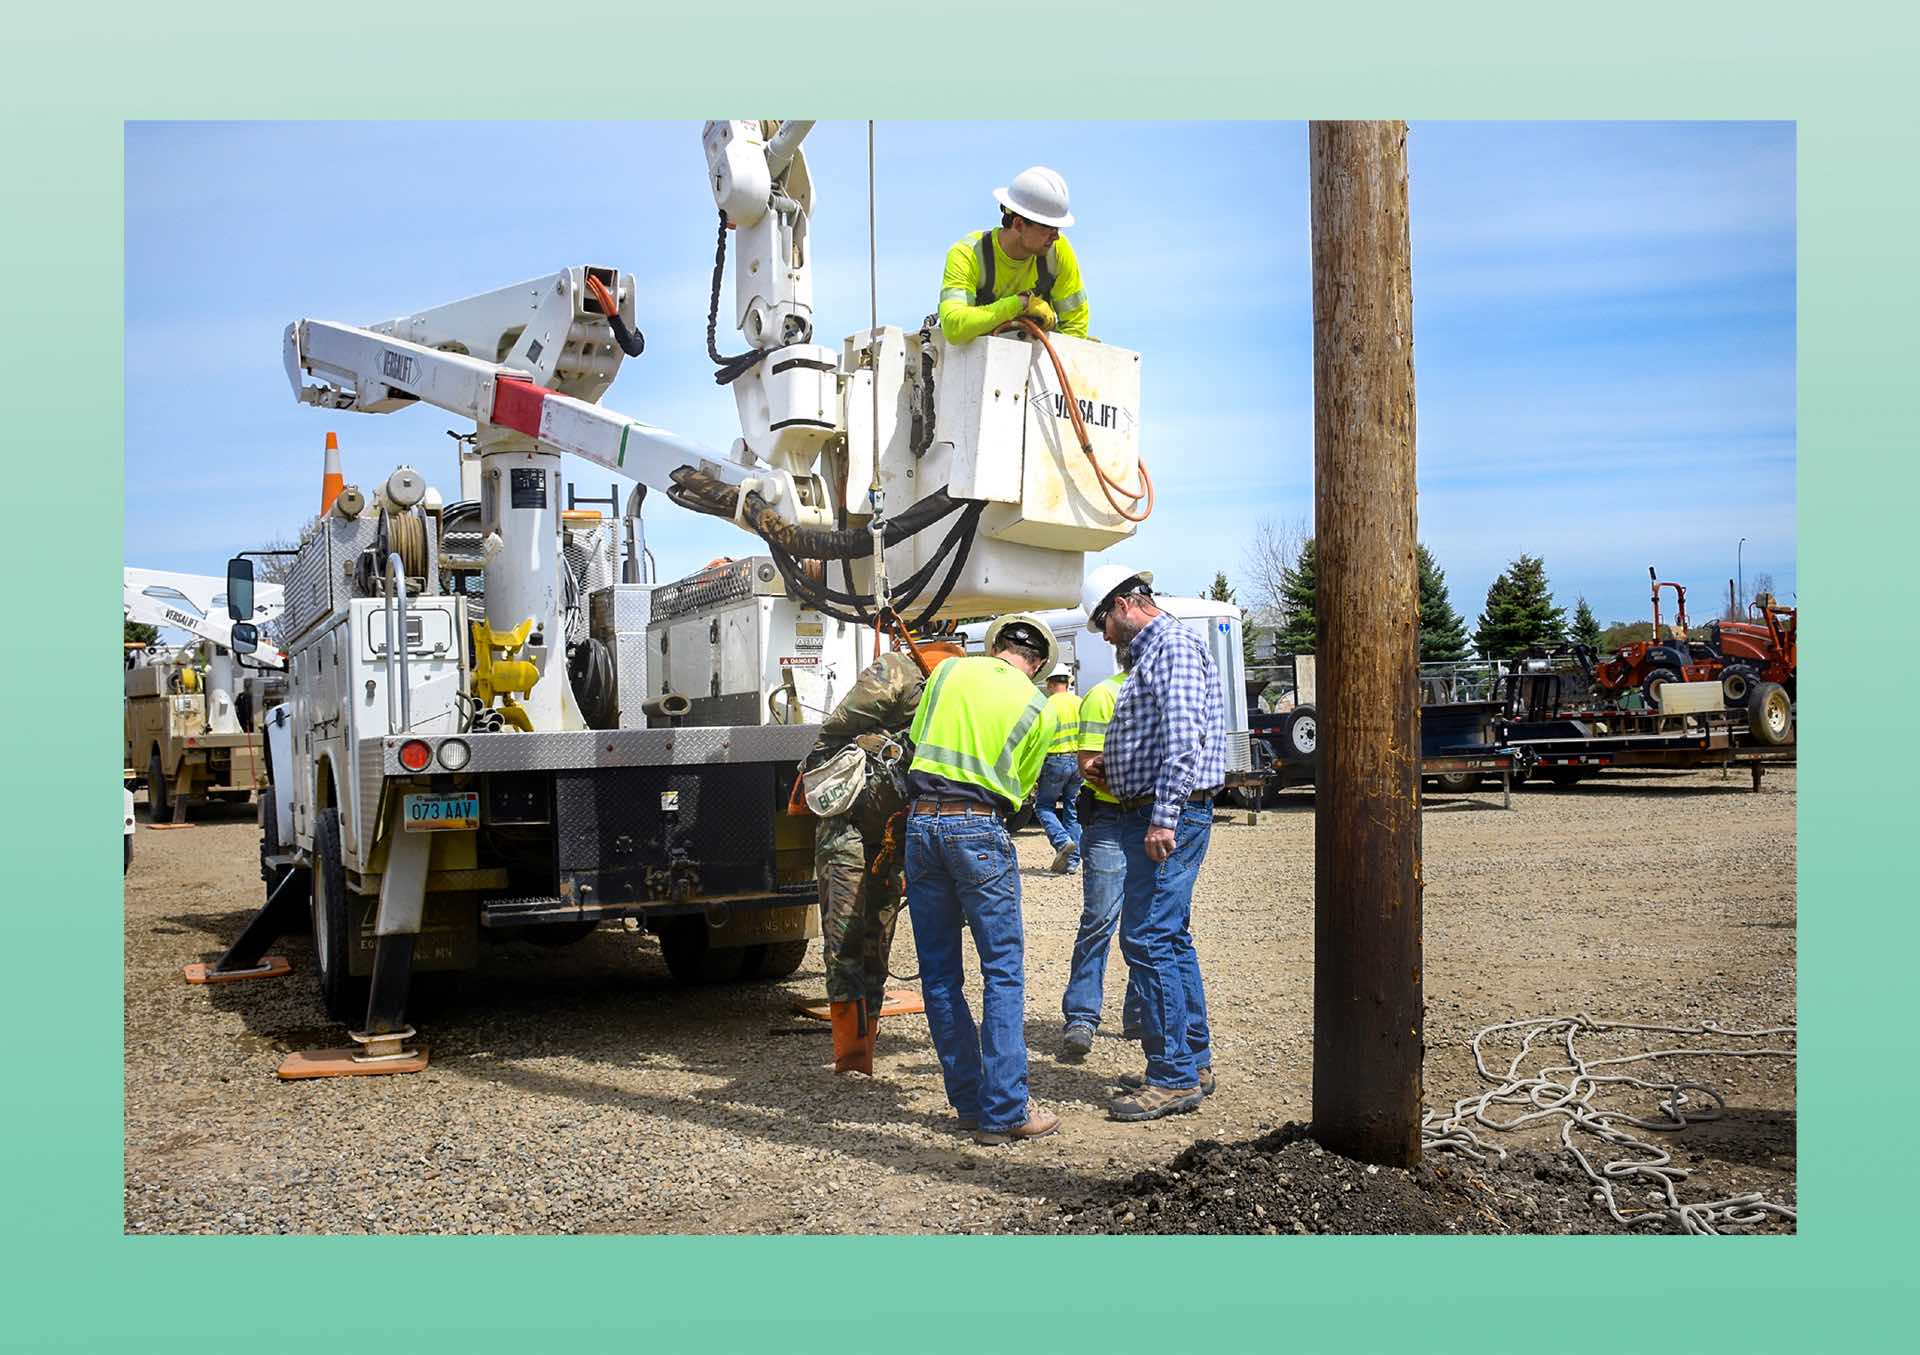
x,y
580,1090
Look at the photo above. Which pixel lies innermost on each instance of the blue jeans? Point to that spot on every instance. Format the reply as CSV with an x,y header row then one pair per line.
x,y
961,872
1106,877
1059,785
1156,936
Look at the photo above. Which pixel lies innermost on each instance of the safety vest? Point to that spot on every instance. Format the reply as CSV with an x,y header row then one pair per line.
x,y
1096,713
1066,735
982,722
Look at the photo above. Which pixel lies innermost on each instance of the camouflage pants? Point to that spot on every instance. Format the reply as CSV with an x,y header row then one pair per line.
x,y
857,912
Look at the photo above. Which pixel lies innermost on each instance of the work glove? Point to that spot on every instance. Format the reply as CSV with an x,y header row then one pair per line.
x,y
1036,308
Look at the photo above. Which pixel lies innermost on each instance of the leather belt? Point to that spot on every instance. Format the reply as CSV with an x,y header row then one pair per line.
x,y
1199,797
946,808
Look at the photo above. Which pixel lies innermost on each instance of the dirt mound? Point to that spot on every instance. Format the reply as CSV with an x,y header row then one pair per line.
x,y
1284,1182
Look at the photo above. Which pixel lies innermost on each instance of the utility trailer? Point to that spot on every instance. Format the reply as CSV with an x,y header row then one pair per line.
x,y
1691,729
1458,749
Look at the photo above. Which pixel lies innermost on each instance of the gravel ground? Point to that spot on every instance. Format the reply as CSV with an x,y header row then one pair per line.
x,y
580,1090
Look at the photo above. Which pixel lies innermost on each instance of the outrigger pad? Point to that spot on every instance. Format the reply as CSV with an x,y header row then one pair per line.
x,y
270,967
167,827
348,1063
898,1002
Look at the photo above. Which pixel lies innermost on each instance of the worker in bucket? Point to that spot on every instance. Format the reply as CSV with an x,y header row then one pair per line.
x,y
1165,757
1106,874
979,737
1023,267
853,781
1053,802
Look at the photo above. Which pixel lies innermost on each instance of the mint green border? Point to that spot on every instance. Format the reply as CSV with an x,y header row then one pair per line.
x,y
73,1281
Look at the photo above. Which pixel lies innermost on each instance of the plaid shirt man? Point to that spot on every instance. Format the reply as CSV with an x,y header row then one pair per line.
x,y
1167,738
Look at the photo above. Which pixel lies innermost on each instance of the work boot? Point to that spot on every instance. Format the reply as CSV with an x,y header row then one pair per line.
x,y
852,1050
1133,1082
1063,858
1150,1102
1076,1044
1038,1124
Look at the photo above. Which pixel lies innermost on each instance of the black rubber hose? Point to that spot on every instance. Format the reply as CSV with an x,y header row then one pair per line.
x,y
733,368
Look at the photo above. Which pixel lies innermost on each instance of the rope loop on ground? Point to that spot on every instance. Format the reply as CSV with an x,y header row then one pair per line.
x,y
1566,1091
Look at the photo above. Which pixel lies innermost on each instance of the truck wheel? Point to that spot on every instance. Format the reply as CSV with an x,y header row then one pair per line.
x,y
1458,783
159,801
1770,715
1301,736
344,996
773,961
692,959
128,864
1737,684
1655,679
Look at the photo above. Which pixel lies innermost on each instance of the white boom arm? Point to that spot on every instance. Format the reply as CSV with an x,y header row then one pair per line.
x,y
542,331
196,603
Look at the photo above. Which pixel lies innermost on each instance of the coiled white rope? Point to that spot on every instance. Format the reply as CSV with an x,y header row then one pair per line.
x,y
1567,1092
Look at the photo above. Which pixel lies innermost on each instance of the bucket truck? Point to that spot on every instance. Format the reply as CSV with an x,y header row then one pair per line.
x,y
191,726
499,726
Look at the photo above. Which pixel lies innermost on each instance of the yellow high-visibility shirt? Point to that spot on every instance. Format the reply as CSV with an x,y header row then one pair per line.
x,y
982,722
1096,713
962,317
1066,710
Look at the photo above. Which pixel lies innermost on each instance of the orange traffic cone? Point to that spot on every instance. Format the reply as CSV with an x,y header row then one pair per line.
x,y
331,482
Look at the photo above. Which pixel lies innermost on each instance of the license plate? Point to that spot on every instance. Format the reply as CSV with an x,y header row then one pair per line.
x,y
430,813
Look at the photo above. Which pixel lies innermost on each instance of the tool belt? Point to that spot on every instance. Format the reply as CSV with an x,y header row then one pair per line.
x,y
947,808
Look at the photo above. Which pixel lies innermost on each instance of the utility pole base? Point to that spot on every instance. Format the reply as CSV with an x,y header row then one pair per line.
x,y
270,967
371,1056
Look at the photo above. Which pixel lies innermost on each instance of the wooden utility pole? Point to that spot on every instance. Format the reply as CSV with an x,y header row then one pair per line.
x,y
1367,1012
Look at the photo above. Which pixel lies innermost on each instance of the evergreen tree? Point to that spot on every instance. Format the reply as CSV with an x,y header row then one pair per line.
x,y
1586,627
139,632
1299,621
1443,635
1520,612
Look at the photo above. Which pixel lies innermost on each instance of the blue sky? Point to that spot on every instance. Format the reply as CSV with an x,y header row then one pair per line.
x,y
1603,318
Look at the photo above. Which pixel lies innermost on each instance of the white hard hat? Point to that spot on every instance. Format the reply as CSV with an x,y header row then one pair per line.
x,y
1064,672
1103,583
1050,657
1038,194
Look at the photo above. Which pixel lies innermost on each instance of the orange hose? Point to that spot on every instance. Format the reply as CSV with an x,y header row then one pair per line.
x,y
1107,486
602,295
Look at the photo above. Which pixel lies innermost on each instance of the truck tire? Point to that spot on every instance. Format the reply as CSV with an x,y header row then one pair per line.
x,y
127,865
692,959
1737,682
1301,735
344,996
1770,715
159,801
1651,684
773,961
1458,783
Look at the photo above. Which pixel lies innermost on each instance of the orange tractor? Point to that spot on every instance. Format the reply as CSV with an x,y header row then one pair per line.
x,y
1756,661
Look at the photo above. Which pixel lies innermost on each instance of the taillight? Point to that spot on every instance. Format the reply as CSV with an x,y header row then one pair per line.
x,y
454,754
415,755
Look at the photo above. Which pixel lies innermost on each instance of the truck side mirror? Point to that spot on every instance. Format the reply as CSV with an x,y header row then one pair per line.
x,y
240,590
246,636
